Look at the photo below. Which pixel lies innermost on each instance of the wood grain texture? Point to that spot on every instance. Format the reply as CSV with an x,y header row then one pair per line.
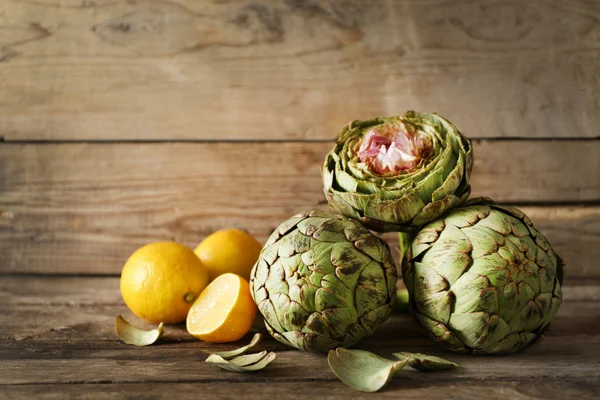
x,y
64,340
81,311
501,389
84,208
247,69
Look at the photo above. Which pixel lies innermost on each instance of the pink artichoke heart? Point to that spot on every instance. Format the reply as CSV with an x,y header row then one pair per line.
x,y
392,151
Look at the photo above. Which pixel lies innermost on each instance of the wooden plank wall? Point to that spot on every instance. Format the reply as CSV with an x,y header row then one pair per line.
x,y
125,122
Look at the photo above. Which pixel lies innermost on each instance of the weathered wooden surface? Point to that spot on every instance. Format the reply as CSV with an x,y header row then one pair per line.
x,y
83,208
247,69
280,77
58,248
500,389
58,339
527,388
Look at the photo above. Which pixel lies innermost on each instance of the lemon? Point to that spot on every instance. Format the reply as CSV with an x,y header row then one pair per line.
x,y
229,251
161,281
224,312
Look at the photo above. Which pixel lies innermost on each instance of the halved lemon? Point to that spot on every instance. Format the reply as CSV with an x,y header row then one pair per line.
x,y
224,311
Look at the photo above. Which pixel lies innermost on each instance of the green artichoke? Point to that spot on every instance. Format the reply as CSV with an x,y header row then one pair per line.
x,y
398,173
482,279
323,280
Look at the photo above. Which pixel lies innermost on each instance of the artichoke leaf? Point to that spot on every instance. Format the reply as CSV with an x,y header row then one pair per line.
x,y
363,370
376,316
441,333
368,292
239,351
426,238
471,327
285,228
130,334
371,246
485,241
452,181
259,362
430,183
339,321
467,216
425,363
435,208
248,359
400,209
472,293
332,294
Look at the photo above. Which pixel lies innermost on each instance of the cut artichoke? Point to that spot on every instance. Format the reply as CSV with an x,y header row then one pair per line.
x,y
398,173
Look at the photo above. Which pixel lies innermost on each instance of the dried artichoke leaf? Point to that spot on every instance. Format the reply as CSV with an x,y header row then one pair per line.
x,y
130,334
425,363
363,370
230,365
248,359
239,351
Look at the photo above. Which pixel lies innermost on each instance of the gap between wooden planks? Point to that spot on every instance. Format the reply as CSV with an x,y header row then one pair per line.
x,y
279,70
85,207
58,332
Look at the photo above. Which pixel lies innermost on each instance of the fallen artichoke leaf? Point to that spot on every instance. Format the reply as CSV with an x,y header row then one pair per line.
x,y
247,363
248,359
239,351
425,363
130,334
363,370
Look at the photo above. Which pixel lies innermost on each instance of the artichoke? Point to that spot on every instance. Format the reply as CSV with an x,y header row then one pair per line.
x,y
398,173
482,279
323,280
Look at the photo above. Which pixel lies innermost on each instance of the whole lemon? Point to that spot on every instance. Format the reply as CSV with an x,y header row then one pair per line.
x,y
229,250
161,281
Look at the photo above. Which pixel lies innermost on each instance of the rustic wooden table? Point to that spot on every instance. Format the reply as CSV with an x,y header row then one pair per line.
x,y
127,122
58,341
